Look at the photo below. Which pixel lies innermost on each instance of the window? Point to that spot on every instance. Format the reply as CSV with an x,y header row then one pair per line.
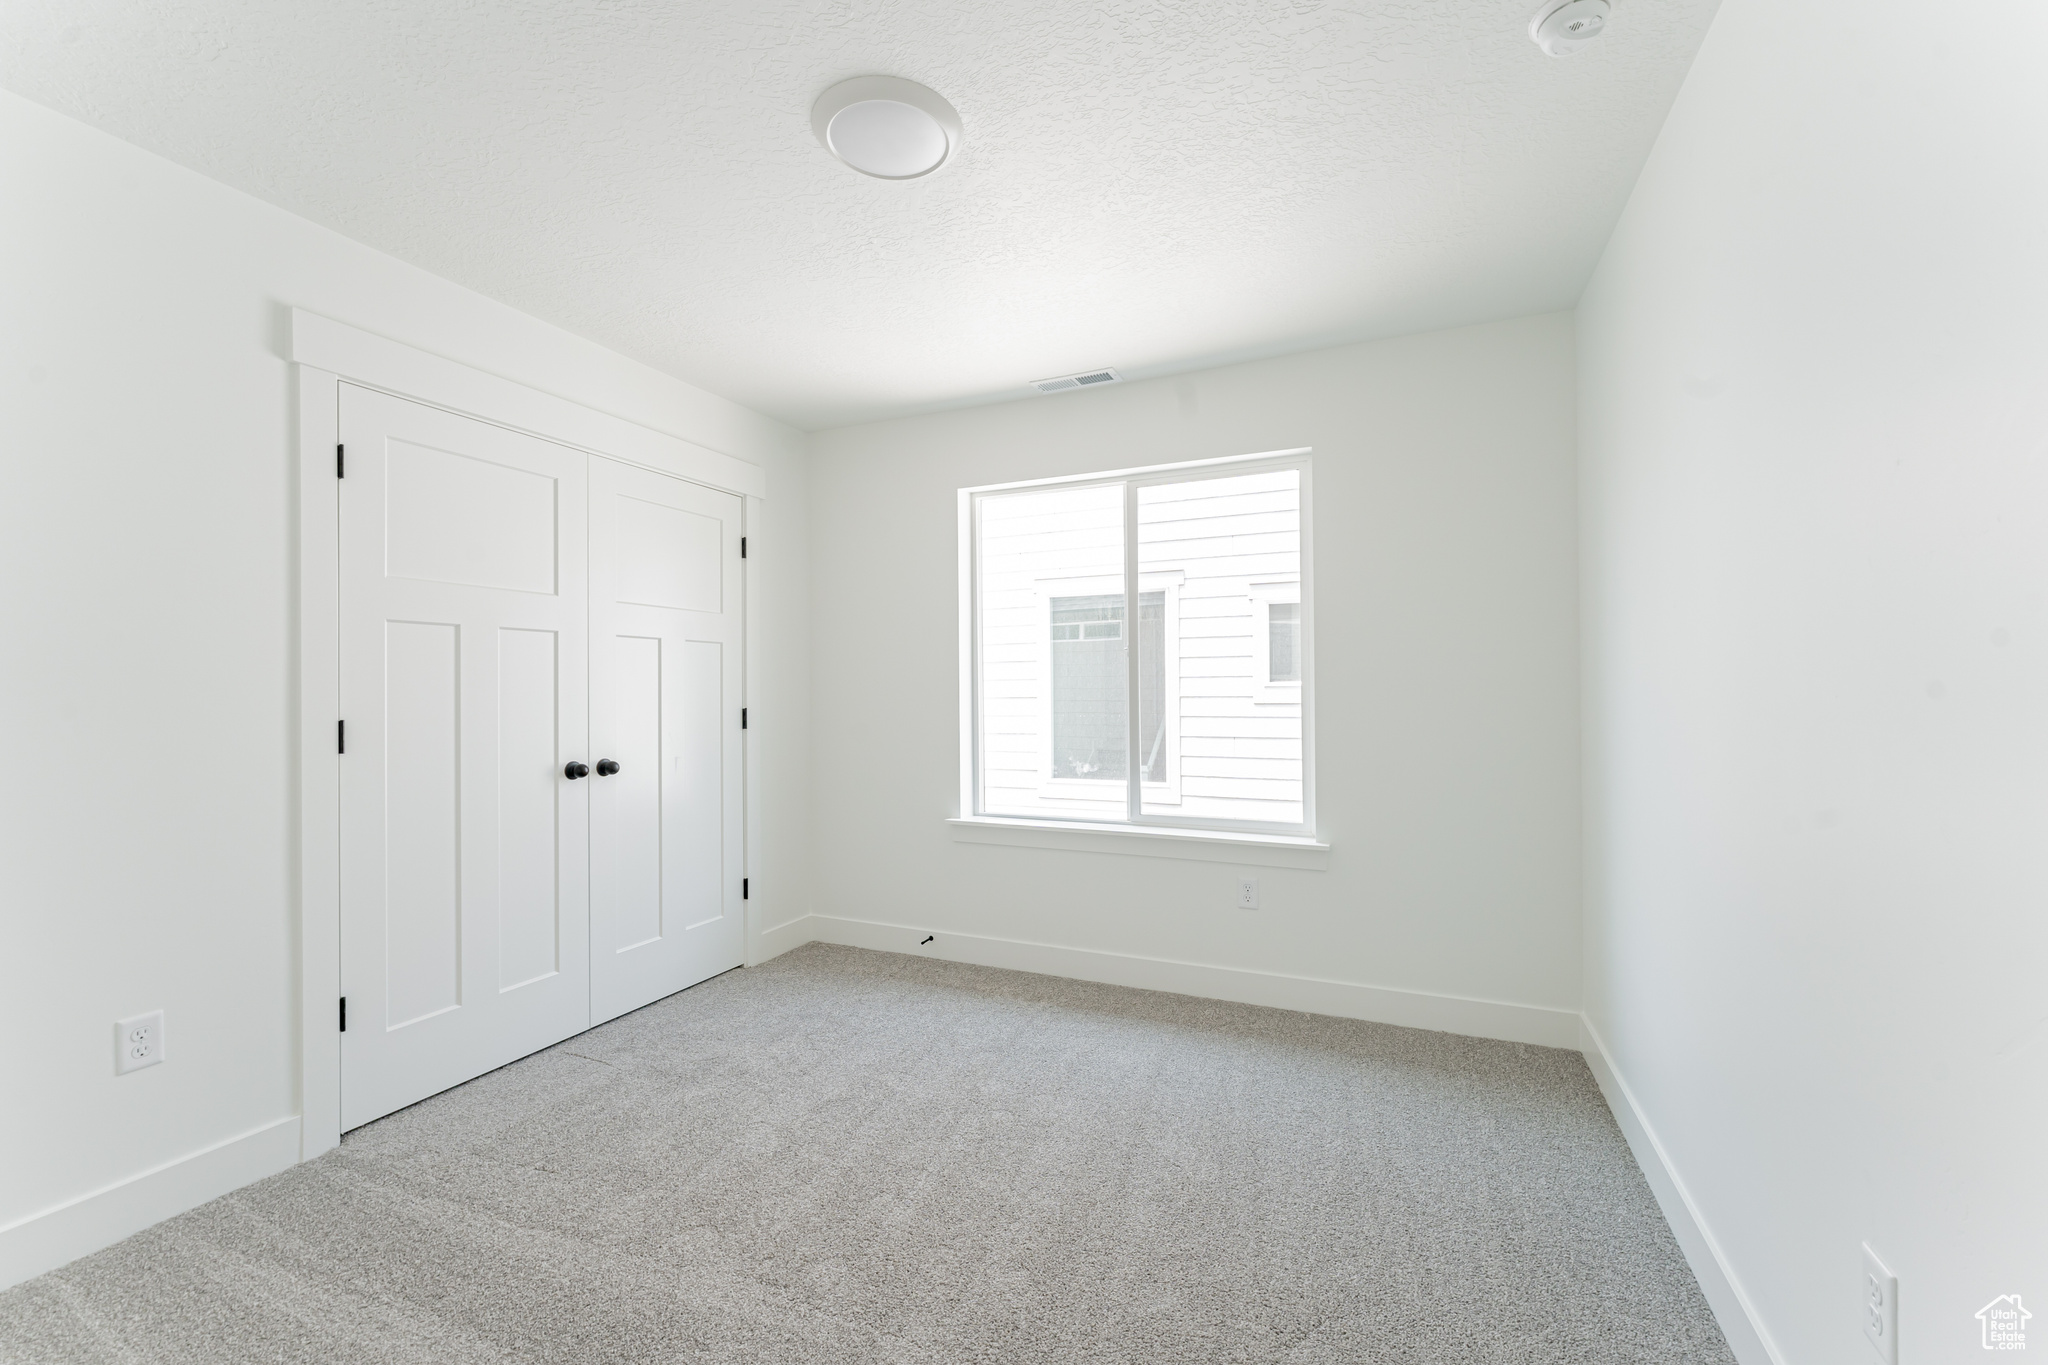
x,y
1089,736
1138,647
1276,620
1283,642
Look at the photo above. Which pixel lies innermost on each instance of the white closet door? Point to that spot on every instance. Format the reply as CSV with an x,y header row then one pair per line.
x,y
464,619
666,837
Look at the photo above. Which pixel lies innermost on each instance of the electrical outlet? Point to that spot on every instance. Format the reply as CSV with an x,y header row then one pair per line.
x,y
1247,893
138,1042
1880,1306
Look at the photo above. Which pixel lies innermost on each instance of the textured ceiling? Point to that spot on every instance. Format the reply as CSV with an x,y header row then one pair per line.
x,y
1144,184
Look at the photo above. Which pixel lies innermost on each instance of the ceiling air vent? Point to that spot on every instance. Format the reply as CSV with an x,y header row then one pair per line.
x,y
1083,380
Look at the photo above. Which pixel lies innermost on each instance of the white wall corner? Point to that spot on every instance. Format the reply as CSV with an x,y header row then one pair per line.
x,y
773,943
57,1236
1737,1316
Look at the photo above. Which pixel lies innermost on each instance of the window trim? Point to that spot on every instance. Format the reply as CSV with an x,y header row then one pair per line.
x,y
1137,820
1157,841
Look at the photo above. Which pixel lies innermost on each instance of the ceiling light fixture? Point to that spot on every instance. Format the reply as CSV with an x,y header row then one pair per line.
x,y
1562,27
886,127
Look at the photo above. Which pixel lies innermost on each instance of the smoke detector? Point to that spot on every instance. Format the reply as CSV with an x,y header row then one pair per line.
x,y
886,127
1562,27
1085,380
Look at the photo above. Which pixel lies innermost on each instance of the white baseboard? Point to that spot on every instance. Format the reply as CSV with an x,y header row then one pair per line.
x,y
57,1236
1343,999
1740,1324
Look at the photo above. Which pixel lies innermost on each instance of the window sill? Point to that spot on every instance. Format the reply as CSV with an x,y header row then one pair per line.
x,y
1198,845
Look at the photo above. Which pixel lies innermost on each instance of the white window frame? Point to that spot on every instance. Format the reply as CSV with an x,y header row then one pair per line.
x,y
1136,819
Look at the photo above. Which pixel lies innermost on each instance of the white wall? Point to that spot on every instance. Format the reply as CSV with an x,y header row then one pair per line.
x,y
1816,600
147,640
1446,674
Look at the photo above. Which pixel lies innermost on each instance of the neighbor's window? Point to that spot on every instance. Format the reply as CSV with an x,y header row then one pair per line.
x,y
1089,672
1139,647
1283,642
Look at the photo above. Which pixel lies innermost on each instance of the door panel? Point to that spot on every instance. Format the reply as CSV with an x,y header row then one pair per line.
x,y
666,840
422,835
529,833
632,800
455,518
464,873
668,556
696,773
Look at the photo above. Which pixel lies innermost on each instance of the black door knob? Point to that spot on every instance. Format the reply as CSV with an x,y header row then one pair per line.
x,y
606,767
576,770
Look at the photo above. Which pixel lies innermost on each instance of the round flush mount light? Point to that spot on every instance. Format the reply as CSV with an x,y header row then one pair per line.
x,y
889,128
1562,27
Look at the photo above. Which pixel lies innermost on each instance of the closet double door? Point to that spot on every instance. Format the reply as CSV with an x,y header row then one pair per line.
x,y
540,744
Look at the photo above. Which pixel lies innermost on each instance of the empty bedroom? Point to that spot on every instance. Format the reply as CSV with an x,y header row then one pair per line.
x,y
1327,683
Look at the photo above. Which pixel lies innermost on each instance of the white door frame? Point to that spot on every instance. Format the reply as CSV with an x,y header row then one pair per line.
x,y
325,353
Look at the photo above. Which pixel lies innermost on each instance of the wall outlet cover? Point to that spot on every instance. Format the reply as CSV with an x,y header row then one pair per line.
x,y
1247,893
138,1042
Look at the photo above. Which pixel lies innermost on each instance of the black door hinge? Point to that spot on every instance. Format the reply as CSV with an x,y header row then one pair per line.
x,y
337,463
743,888
743,718
743,547
344,1014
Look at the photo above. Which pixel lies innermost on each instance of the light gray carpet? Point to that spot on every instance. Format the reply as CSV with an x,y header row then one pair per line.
x,y
853,1156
